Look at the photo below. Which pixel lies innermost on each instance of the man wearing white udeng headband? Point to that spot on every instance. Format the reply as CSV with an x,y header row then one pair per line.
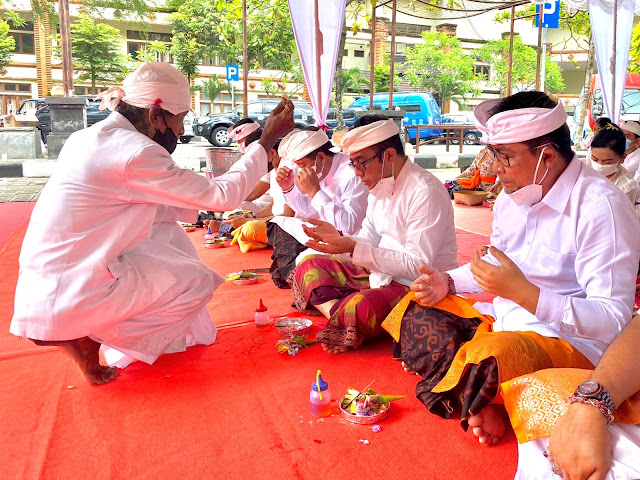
x,y
562,263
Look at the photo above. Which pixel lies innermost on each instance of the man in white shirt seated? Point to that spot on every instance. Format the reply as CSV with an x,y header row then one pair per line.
x,y
409,222
317,184
562,263
631,130
104,260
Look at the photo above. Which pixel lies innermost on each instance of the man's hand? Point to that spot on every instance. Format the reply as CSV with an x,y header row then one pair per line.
x,y
237,222
284,178
581,444
308,182
506,280
278,123
326,238
430,287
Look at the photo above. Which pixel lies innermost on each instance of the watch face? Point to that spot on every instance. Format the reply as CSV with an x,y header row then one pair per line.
x,y
589,388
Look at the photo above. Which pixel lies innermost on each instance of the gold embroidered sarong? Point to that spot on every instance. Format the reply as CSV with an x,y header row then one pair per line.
x,y
537,400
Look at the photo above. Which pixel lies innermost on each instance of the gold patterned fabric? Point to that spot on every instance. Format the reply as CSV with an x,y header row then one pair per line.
x,y
536,401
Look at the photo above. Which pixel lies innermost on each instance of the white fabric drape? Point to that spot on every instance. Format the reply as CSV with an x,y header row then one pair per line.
x,y
603,32
318,37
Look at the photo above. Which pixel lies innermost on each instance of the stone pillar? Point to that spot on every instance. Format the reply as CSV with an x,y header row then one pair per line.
x,y
42,40
68,115
381,40
448,28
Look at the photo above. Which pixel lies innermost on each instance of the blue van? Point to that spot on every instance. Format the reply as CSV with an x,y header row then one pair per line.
x,y
420,108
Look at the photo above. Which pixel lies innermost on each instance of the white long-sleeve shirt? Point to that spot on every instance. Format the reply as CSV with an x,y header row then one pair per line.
x,y
413,227
341,201
80,270
632,162
581,246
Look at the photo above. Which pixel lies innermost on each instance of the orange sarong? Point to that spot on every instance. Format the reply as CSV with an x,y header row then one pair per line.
x,y
251,236
537,400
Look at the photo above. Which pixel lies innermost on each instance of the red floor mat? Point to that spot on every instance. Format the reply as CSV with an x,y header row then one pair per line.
x,y
233,410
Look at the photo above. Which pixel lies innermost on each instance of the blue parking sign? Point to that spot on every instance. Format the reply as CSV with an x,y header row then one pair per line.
x,y
233,73
551,14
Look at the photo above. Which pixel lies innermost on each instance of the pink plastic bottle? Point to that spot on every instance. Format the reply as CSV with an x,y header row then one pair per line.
x,y
262,317
209,235
320,397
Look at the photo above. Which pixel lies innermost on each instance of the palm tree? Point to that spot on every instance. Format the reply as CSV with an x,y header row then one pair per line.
x,y
353,79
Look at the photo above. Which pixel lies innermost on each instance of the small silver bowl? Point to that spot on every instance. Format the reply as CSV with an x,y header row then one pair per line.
x,y
293,326
363,419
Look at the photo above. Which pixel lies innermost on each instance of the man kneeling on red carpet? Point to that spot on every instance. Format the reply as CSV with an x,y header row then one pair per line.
x,y
104,261
563,264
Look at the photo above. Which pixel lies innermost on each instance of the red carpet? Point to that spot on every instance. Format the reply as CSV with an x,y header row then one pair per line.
x,y
233,410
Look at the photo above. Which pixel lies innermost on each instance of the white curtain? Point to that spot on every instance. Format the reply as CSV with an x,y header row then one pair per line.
x,y
318,37
612,56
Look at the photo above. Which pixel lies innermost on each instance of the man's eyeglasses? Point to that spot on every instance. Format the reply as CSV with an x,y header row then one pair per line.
x,y
505,159
362,166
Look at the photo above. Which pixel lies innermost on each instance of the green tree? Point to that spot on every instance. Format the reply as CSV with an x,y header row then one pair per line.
x,y
212,87
7,45
634,61
214,29
95,50
354,79
382,78
496,53
441,66
186,55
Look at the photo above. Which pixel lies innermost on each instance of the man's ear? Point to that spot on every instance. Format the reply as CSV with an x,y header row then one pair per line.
x,y
321,156
156,120
551,157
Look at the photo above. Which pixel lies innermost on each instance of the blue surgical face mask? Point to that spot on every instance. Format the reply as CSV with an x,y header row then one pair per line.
x,y
627,144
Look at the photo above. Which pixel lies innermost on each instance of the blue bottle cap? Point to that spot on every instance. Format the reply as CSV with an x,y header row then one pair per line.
x,y
209,232
323,385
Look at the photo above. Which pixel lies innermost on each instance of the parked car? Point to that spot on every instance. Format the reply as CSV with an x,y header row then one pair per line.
x,y
94,114
471,135
190,125
349,117
420,108
214,128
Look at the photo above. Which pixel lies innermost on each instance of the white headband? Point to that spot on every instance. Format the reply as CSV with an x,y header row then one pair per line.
x,y
299,144
242,131
365,136
519,125
154,83
631,126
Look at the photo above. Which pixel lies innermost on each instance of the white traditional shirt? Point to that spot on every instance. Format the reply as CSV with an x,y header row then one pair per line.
x,y
97,253
413,227
632,162
625,182
581,246
341,201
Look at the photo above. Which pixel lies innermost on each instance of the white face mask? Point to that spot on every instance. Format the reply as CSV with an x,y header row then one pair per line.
x,y
605,170
384,187
530,194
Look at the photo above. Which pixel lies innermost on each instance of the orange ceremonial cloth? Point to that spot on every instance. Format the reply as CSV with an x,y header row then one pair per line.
x,y
460,306
516,353
251,236
472,182
537,400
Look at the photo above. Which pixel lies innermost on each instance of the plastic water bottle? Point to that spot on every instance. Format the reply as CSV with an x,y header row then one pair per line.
x,y
320,397
262,317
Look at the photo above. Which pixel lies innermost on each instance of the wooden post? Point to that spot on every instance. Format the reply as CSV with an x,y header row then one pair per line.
x,y
65,48
372,56
510,77
393,54
245,62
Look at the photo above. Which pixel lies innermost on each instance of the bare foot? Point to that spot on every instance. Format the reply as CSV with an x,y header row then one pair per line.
x,y
490,424
408,369
85,353
335,349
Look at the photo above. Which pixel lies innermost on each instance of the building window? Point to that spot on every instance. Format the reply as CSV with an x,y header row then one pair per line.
x,y
481,70
88,90
358,53
15,87
146,38
411,30
23,37
345,52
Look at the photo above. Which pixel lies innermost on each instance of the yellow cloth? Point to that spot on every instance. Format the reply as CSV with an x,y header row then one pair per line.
x,y
537,400
517,353
460,306
251,236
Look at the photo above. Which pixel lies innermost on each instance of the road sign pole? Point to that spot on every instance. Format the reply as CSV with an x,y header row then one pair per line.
x,y
233,98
